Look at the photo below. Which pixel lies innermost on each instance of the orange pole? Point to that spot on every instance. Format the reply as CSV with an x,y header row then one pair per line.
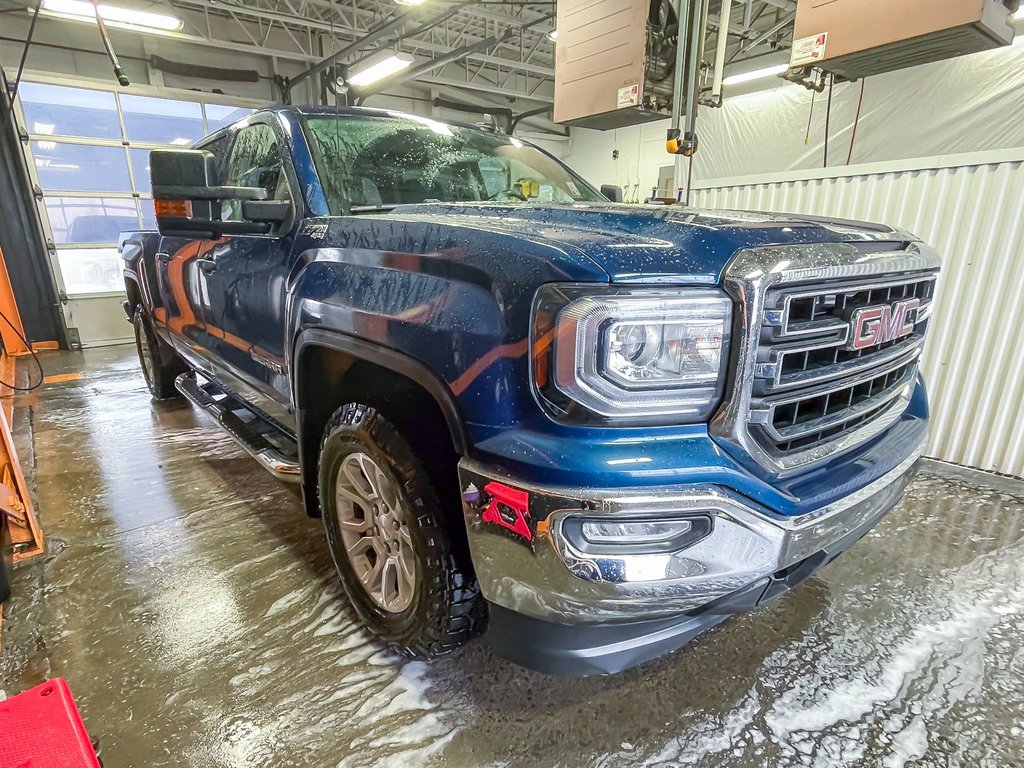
x,y
9,306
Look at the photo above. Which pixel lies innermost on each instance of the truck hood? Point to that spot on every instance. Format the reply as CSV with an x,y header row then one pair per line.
x,y
649,243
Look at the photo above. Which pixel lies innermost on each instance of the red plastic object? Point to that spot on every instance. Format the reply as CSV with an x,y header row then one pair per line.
x,y
41,728
509,508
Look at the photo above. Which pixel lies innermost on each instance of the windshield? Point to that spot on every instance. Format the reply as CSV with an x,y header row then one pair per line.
x,y
369,162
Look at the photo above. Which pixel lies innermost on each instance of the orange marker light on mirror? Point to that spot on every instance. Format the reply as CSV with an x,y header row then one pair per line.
x,y
181,209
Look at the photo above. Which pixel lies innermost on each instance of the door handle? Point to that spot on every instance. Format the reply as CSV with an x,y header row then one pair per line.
x,y
207,265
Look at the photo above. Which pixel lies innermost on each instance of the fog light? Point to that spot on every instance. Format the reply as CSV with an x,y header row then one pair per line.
x,y
634,536
635,532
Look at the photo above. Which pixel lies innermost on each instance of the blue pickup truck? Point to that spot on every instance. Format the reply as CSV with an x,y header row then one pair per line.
x,y
593,429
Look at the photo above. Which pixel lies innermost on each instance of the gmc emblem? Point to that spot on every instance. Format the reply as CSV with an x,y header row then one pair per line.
x,y
871,326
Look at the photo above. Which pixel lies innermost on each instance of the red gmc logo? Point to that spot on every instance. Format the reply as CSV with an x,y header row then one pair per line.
x,y
871,326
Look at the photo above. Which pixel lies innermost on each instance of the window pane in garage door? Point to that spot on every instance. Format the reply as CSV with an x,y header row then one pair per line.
x,y
80,168
90,219
90,270
148,214
219,116
162,121
61,111
140,170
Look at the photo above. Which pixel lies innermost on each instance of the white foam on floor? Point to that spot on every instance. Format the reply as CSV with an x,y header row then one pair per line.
x,y
840,677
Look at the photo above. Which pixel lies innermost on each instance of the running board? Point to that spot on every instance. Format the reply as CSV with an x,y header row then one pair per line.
x,y
247,428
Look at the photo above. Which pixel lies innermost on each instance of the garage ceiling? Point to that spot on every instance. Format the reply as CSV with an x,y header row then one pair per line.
x,y
520,67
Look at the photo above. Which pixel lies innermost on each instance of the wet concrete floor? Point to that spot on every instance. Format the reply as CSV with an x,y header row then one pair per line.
x,y
193,608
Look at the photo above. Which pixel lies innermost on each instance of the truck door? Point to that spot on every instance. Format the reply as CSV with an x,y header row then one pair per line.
x,y
183,280
179,310
246,274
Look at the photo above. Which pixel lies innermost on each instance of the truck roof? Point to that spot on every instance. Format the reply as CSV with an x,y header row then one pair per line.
x,y
328,111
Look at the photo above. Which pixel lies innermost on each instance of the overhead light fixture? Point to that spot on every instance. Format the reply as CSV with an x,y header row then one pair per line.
x,y
553,35
378,67
410,2
112,15
181,142
756,74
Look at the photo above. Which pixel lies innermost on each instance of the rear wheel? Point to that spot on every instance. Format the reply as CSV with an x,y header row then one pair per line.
x,y
388,537
159,375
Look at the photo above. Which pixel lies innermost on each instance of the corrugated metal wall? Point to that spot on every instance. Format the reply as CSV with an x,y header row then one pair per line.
x,y
971,208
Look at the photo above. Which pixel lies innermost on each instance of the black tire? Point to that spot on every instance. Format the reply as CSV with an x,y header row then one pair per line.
x,y
160,366
446,608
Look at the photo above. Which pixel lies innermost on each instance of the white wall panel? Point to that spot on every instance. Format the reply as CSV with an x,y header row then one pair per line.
x,y
971,208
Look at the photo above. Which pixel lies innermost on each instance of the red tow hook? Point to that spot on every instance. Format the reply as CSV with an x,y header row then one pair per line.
x,y
508,508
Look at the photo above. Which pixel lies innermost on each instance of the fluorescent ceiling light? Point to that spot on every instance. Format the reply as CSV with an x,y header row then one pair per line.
x,y
181,142
47,128
125,18
757,74
410,2
378,67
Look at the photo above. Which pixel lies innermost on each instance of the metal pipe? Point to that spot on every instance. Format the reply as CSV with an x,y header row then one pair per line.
x,y
119,73
377,33
532,113
430,66
682,35
477,109
723,43
754,42
697,26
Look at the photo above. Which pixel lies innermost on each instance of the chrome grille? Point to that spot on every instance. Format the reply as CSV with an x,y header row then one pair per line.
x,y
830,345
809,384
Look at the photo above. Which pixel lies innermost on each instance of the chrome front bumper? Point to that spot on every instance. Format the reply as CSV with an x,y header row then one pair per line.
x,y
531,567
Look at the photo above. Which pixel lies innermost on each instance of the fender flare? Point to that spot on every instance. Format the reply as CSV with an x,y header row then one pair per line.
x,y
390,359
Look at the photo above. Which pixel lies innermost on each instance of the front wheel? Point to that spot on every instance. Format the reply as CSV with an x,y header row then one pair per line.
x,y
159,375
389,539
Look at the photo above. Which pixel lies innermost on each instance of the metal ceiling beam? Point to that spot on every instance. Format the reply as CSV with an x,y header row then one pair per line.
x,y
487,88
480,10
541,123
440,61
396,24
767,34
409,43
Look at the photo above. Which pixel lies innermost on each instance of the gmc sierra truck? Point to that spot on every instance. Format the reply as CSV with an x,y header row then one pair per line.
x,y
595,429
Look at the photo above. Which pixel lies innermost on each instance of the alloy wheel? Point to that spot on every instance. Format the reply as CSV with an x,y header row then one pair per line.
x,y
375,533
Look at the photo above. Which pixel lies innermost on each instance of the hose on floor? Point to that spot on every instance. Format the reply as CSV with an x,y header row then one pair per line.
x,y
35,359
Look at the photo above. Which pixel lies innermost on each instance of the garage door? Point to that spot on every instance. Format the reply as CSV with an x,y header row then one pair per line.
x,y
89,152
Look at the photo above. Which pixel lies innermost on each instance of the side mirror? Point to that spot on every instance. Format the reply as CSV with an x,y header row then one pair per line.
x,y
613,193
188,199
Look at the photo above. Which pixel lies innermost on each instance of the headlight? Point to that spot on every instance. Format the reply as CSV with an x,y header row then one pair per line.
x,y
630,355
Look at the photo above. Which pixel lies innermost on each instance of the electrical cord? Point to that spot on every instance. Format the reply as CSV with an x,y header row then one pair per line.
x,y
856,121
21,65
9,112
35,359
810,117
828,116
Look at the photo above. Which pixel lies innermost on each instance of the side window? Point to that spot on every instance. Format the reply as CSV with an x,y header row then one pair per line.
x,y
219,148
255,161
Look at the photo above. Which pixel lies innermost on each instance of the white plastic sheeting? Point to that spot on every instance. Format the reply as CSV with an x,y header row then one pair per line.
x,y
967,104
971,208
